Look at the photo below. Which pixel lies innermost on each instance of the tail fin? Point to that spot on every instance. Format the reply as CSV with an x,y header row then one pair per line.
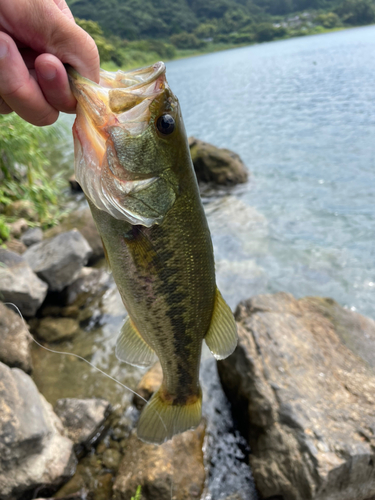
x,y
161,420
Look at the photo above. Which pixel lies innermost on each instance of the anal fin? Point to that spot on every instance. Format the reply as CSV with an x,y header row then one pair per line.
x,y
131,347
221,337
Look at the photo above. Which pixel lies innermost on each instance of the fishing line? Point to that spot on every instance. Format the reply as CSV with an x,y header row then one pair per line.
x,y
86,361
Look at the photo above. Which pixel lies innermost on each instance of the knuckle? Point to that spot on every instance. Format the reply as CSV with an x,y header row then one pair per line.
x,y
47,119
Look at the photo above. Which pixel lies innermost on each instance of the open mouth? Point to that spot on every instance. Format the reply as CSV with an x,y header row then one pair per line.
x,y
118,92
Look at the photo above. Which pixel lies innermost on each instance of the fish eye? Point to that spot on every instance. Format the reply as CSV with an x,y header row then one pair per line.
x,y
165,124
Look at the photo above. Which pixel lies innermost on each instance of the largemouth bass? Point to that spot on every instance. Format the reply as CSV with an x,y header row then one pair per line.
x,y
133,163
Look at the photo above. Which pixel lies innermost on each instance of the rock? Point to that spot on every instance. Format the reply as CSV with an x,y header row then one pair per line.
x,y
305,402
82,220
59,260
83,419
111,459
34,453
53,329
217,165
149,384
19,284
90,282
155,468
32,236
18,227
22,209
16,246
15,340
74,186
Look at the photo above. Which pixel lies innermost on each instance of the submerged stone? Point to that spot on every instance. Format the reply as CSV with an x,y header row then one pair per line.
x,y
54,329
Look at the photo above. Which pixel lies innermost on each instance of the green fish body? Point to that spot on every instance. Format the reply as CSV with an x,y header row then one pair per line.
x,y
133,163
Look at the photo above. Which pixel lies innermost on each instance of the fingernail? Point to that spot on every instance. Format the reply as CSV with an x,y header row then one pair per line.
x,y
4,49
48,72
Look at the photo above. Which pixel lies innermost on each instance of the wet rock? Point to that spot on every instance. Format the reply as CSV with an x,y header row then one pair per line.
x,y
59,260
82,220
19,284
22,209
34,453
83,419
16,246
15,340
18,227
32,236
111,459
154,468
91,479
212,164
90,282
150,383
304,400
57,329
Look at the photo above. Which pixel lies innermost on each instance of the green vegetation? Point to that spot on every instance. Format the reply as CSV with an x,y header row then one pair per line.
x,y
24,167
138,32
137,495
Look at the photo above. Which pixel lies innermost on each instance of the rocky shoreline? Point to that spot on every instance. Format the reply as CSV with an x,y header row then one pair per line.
x,y
289,416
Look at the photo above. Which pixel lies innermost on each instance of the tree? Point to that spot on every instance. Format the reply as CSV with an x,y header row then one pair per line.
x,y
186,41
357,12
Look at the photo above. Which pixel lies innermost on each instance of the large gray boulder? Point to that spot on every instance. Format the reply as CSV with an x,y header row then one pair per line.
x,y
82,220
59,260
34,453
305,401
217,165
15,340
19,284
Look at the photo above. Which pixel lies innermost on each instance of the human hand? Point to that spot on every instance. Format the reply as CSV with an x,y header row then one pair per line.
x,y
36,38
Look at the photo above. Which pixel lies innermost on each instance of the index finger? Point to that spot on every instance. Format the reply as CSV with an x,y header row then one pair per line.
x,y
18,88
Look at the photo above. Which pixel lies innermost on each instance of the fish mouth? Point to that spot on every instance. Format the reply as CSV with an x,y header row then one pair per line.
x,y
118,93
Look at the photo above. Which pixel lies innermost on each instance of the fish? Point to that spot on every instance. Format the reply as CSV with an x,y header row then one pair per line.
x,y
133,163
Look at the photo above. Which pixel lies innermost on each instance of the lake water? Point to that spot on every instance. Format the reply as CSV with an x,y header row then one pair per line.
x,y
301,113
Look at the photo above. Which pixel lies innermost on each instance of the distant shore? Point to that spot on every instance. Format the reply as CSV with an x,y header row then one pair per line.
x,y
210,48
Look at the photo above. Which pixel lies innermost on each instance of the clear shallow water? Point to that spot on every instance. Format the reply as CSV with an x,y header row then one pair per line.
x,y
301,113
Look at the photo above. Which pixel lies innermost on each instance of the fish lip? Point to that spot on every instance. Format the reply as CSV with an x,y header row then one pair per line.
x,y
136,79
141,77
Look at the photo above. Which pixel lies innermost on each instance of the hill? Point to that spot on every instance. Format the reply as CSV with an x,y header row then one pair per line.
x,y
159,19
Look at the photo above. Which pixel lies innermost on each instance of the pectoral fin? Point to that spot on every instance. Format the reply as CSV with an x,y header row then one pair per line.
x,y
221,337
131,347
